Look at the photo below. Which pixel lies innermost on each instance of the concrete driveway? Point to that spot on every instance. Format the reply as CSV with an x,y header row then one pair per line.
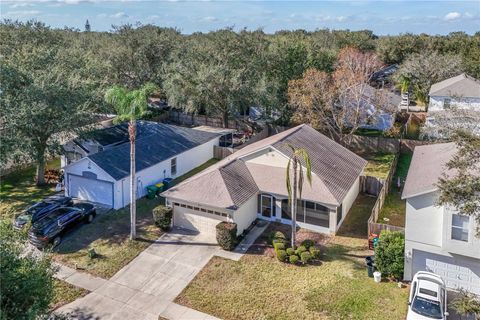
x,y
147,286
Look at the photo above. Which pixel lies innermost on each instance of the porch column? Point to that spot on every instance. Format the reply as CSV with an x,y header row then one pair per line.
x,y
332,221
278,209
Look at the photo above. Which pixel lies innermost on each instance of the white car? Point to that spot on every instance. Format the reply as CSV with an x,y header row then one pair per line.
x,y
428,297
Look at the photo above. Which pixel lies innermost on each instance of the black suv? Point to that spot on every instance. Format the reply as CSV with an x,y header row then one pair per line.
x,y
52,227
40,210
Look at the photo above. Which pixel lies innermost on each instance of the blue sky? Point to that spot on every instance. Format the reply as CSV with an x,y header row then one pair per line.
x,y
383,17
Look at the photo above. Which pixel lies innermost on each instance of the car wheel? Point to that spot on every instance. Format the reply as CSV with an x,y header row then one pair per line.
x,y
90,218
56,241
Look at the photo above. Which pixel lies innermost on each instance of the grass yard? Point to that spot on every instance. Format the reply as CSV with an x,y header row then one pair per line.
x,y
18,190
65,293
108,235
260,287
195,171
379,165
356,222
394,207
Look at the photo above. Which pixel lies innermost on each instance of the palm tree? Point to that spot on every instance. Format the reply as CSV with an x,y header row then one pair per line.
x,y
129,105
298,177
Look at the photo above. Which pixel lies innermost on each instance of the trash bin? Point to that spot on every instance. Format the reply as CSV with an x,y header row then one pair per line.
x,y
370,269
167,183
151,192
369,259
377,277
159,187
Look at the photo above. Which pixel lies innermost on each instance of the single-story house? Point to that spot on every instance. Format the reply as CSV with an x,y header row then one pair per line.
x,y
162,151
377,108
462,91
250,184
438,239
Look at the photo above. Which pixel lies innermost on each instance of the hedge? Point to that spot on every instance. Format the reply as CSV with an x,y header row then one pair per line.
x,y
389,254
162,216
227,235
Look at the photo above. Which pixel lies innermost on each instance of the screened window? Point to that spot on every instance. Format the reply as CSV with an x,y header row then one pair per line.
x,y
460,225
173,166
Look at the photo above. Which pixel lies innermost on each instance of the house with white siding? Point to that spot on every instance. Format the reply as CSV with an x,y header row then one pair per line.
x,y
102,175
250,184
438,238
462,91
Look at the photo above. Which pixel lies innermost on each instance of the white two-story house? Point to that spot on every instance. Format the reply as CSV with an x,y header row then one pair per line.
x,y
438,238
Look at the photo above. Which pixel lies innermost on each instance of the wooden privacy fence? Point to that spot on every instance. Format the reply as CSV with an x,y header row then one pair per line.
x,y
371,185
222,152
199,120
373,226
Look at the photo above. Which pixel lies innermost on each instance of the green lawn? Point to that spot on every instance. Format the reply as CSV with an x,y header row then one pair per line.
x,y
65,293
18,190
260,287
356,222
108,235
393,211
195,171
379,165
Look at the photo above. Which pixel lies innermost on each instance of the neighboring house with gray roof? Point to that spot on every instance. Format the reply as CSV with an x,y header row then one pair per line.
x,y
462,91
161,151
250,184
438,238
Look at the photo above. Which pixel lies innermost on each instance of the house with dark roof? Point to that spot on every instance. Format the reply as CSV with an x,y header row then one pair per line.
x,y
250,184
462,91
438,238
161,151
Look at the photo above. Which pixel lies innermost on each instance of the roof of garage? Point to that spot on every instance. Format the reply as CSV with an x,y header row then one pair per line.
x,y
163,142
232,181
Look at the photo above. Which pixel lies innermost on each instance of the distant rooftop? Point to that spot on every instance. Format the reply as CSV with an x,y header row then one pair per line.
x,y
462,85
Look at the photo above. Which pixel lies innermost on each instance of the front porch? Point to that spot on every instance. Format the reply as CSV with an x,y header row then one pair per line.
x,y
310,215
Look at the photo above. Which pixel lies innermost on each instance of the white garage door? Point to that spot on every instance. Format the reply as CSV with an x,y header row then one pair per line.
x,y
91,189
457,273
205,226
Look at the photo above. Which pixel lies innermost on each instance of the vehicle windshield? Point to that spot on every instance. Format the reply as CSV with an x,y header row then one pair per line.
x,y
36,208
427,308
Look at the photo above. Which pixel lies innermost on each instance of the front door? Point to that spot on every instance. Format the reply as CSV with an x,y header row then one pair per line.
x,y
266,205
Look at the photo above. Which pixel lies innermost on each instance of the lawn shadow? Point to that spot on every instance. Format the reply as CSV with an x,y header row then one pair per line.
x,y
355,224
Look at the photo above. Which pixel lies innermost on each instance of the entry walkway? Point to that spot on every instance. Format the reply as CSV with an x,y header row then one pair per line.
x,y
147,286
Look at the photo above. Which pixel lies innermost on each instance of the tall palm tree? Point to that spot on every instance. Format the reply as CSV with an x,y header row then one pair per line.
x,y
129,105
296,185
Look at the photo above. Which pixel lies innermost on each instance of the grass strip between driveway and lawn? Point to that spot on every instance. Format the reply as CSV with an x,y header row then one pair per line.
x,y
65,293
260,287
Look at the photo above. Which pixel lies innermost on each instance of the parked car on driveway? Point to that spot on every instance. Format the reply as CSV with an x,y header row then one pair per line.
x,y
428,297
40,210
53,226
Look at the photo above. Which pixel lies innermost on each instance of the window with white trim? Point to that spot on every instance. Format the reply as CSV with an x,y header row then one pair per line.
x,y
460,226
173,166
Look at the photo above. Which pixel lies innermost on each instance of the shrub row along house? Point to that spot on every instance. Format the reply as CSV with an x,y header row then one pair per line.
x,y
98,169
250,184
438,238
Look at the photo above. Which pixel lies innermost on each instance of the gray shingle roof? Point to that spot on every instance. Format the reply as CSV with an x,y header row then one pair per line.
x,y
232,182
161,143
462,86
427,166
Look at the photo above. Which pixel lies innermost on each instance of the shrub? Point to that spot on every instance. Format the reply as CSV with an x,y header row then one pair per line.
x,y
315,252
308,243
279,235
278,241
162,216
290,251
293,259
279,246
227,235
389,254
306,257
300,250
281,255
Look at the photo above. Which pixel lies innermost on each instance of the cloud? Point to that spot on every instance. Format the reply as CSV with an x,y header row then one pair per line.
x,y
452,16
22,13
209,19
22,5
119,15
